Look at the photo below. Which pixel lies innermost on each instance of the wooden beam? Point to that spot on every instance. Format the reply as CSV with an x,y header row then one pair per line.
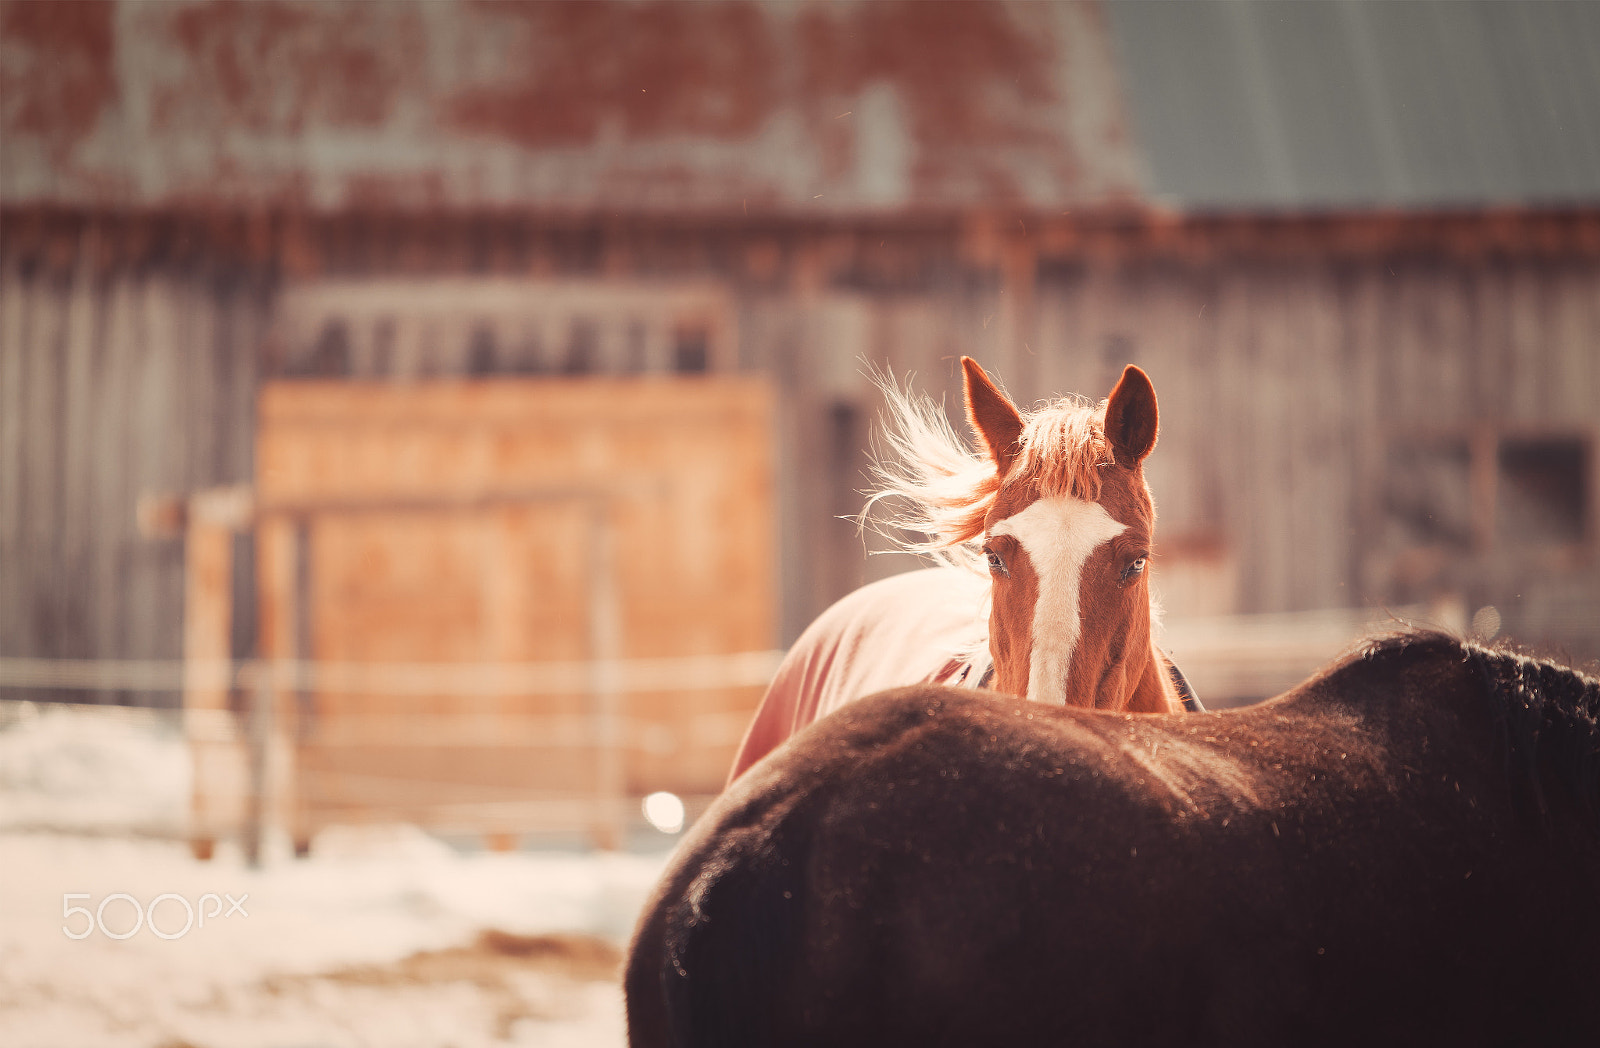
x,y
207,628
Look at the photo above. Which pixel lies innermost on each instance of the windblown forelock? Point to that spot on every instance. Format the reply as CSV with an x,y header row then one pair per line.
x,y
1065,450
944,490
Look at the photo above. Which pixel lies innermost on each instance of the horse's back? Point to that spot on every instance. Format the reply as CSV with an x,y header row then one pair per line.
x,y
929,868
742,949
906,629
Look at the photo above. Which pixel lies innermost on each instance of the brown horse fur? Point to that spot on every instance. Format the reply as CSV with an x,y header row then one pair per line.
x,y
1066,449
1403,850
1064,484
1115,663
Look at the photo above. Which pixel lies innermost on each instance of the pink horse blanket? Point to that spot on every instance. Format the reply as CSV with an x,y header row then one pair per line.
x,y
917,627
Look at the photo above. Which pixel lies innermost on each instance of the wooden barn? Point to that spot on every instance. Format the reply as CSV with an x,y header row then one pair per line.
x,y
517,335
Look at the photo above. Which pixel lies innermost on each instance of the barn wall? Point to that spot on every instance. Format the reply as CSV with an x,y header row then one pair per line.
x,y
1290,389
1294,385
116,379
130,349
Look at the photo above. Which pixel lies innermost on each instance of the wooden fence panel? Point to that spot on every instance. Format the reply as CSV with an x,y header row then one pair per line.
x,y
457,523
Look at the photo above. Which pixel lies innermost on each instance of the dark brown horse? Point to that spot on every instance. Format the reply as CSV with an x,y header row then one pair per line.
x,y
1404,849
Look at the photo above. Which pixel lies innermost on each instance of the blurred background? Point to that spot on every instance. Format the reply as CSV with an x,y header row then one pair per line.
x,y
443,414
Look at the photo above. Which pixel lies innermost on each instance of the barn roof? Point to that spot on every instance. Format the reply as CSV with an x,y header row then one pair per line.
x,y
1348,105
827,109
654,105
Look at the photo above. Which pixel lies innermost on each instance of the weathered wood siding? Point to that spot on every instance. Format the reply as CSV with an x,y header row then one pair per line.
x,y
114,381
1285,387
1292,359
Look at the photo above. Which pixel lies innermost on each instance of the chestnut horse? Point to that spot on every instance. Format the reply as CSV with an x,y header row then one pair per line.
x,y
1055,511
1405,849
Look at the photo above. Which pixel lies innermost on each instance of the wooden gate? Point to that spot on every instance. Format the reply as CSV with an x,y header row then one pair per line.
x,y
504,600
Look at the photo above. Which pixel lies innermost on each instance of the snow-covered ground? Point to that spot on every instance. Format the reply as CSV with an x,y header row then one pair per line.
x,y
383,936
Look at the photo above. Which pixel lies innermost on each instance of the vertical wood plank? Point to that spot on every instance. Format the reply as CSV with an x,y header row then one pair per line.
x,y
277,791
145,409
16,306
1575,344
113,484
1330,449
1527,358
606,646
1493,333
74,535
1277,435
208,577
1362,305
1236,412
43,570
208,605
1017,324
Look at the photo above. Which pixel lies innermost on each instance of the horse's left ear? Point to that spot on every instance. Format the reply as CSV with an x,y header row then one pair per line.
x,y
996,419
1131,417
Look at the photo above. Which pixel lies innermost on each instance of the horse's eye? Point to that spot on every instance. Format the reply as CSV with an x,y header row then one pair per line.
x,y
1134,570
996,565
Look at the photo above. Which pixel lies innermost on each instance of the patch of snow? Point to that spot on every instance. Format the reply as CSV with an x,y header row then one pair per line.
x,y
98,769
264,975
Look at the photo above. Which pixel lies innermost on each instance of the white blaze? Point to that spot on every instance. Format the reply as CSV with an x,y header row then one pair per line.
x,y
1059,534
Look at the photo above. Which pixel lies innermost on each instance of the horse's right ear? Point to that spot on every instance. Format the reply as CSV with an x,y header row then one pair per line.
x,y
1131,418
995,418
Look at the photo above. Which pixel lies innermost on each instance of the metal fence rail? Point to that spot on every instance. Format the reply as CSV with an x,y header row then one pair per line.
x,y
1230,659
252,730
468,680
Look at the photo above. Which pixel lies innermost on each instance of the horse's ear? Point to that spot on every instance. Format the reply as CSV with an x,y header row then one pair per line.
x,y
1131,417
994,417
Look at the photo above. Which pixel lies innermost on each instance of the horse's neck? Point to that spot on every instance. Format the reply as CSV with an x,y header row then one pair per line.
x,y
1154,691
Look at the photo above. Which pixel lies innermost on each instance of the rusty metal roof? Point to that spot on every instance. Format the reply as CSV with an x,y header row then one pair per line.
x,y
809,108
1318,105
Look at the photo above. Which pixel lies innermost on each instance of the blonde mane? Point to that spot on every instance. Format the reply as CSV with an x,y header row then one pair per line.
x,y
942,489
